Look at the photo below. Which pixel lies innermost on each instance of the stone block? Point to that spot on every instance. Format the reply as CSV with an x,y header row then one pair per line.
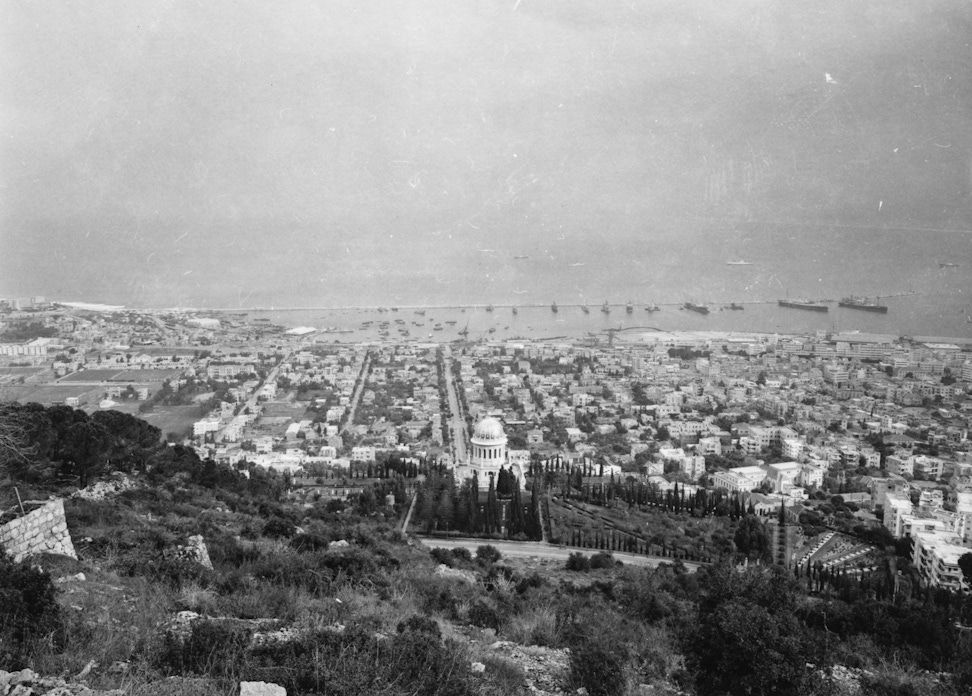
x,y
260,688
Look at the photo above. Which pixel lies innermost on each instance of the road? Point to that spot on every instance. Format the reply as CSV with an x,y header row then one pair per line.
x,y
458,421
358,391
541,550
251,401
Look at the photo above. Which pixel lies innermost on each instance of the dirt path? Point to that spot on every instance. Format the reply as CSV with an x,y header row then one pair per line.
x,y
540,550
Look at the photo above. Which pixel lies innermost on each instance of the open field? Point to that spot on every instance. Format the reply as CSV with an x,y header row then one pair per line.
x,y
147,375
121,375
92,376
167,350
168,419
52,394
18,371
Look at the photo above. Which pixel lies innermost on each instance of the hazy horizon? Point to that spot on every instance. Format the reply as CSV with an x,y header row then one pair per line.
x,y
247,154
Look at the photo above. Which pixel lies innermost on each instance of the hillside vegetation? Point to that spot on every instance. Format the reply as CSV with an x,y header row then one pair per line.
x,y
331,598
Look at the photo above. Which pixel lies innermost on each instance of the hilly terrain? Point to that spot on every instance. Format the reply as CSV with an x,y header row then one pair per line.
x,y
328,597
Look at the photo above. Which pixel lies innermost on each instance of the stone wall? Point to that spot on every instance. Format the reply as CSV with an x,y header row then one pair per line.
x,y
43,530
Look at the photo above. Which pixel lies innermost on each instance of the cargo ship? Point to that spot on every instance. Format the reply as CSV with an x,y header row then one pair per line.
x,y
804,304
862,303
736,305
695,307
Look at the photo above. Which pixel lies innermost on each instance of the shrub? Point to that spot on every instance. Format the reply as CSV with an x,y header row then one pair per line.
x,y
602,560
461,553
483,615
278,528
598,667
578,562
442,556
420,623
529,582
508,676
309,542
345,663
488,554
28,610
214,648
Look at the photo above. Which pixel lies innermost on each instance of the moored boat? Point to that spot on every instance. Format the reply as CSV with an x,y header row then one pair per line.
x,y
804,304
862,303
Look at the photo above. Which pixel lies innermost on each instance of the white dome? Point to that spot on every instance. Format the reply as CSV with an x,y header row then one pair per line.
x,y
489,429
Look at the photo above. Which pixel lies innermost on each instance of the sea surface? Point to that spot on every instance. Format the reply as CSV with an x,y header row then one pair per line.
x,y
904,269
916,314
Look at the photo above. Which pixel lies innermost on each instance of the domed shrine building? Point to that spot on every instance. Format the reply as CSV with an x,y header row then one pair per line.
x,y
488,454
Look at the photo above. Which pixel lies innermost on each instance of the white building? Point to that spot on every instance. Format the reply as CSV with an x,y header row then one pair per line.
x,y
739,480
362,454
206,425
895,508
783,476
812,474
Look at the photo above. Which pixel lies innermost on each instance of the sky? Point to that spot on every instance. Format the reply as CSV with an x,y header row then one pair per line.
x,y
237,153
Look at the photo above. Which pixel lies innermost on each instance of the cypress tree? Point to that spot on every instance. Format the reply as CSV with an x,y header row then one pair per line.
x,y
491,520
474,521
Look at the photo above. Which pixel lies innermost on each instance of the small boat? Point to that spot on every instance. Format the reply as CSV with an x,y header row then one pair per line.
x,y
947,264
739,262
450,322
489,308
520,257
652,308
420,312
515,310
696,307
736,305
585,309
606,308
629,308
553,307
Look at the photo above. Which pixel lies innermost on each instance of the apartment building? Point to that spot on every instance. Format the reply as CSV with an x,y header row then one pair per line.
x,y
936,556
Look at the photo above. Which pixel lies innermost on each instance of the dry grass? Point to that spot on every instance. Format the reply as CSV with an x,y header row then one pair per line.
x,y
109,620
534,626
